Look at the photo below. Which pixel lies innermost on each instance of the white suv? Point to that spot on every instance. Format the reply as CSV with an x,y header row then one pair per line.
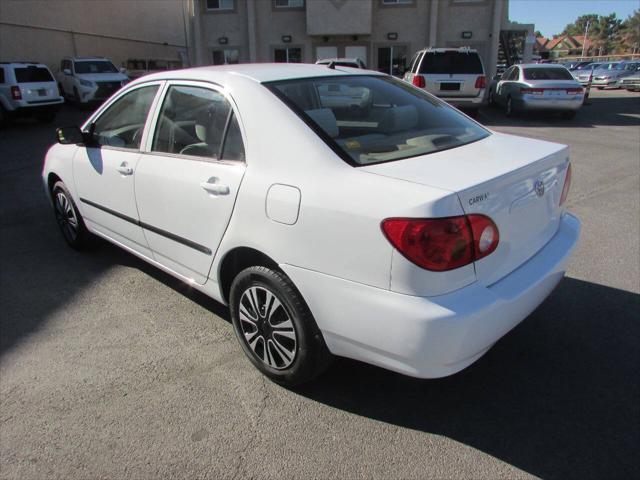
x,y
453,74
89,79
28,90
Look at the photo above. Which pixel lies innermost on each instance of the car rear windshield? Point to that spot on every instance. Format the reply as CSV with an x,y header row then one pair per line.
x,y
547,74
32,74
374,119
451,62
99,66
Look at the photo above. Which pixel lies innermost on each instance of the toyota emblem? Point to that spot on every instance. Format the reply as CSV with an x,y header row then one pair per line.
x,y
539,187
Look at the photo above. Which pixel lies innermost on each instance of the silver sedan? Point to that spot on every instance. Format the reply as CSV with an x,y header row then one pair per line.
x,y
537,87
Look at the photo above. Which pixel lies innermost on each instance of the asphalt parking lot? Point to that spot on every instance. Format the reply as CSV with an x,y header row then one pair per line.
x,y
111,369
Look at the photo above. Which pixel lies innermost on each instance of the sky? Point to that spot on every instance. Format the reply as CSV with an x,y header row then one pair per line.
x,y
551,16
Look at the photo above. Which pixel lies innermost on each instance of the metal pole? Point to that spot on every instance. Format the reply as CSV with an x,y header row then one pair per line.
x,y
586,36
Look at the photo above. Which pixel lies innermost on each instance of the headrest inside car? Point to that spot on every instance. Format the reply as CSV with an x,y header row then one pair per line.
x,y
398,119
325,118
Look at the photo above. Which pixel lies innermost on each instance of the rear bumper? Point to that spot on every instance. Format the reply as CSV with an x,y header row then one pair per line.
x,y
32,110
530,102
429,337
466,102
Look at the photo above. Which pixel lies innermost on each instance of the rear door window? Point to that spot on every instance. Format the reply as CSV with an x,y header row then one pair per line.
x,y
451,62
32,75
547,74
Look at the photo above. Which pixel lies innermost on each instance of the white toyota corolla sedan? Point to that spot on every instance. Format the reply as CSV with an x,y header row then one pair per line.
x,y
336,211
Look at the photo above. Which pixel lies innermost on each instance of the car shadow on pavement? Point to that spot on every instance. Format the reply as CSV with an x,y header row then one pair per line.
x,y
612,111
557,397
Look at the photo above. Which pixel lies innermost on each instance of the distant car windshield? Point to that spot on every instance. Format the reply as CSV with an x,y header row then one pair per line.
x,y
32,75
451,62
547,74
374,119
95,66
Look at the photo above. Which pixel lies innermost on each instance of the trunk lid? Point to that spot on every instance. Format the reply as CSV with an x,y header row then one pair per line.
x,y
515,181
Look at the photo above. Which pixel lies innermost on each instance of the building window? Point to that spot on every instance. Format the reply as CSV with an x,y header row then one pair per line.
x,y
393,60
396,2
289,3
227,56
287,55
220,4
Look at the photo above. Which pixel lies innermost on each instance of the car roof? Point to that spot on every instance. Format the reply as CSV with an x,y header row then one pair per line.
x,y
353,60
258,72
449,49
80,59
37,64
540,65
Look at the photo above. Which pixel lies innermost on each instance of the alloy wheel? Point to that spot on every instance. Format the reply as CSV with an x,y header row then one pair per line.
x,y
66,217
267,327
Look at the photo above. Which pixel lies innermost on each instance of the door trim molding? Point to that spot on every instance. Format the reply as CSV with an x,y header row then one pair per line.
x,y
151,228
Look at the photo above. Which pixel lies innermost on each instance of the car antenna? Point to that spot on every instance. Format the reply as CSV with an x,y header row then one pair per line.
x,y
332,65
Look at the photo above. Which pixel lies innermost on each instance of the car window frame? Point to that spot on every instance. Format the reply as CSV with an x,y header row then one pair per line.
x,y
103,109
153,122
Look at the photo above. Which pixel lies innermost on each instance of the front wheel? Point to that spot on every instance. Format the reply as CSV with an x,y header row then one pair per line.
x,y
275,327
68,217
509,109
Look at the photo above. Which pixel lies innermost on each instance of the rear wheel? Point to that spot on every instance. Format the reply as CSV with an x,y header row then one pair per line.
x,y
275,327
68,217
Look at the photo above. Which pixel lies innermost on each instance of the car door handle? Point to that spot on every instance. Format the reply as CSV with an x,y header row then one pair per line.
x,y
125,169
212,186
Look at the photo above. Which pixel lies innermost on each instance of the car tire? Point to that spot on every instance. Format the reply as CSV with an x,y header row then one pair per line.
x,y
600,88
509,108
491,99
68,217
294,351
61,90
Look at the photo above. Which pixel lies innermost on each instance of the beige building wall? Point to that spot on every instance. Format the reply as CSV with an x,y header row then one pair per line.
x,y
47,30
350,23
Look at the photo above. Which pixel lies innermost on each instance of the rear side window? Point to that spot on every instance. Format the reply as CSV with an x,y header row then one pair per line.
x,y
547,74
451,62
32,74
374,119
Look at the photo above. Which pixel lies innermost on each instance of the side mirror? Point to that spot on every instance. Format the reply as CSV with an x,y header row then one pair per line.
x,y
66,71
123,70
75,136
69,135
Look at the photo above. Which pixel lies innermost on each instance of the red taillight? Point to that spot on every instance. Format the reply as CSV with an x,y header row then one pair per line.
x,y
567,186
574,91
441,244
481,82
16,94
418,81
532,91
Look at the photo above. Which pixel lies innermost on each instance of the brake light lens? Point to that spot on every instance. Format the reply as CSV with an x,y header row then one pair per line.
x,y
566,186
532,91
481,82
16,94
441,244
418,81
574,91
